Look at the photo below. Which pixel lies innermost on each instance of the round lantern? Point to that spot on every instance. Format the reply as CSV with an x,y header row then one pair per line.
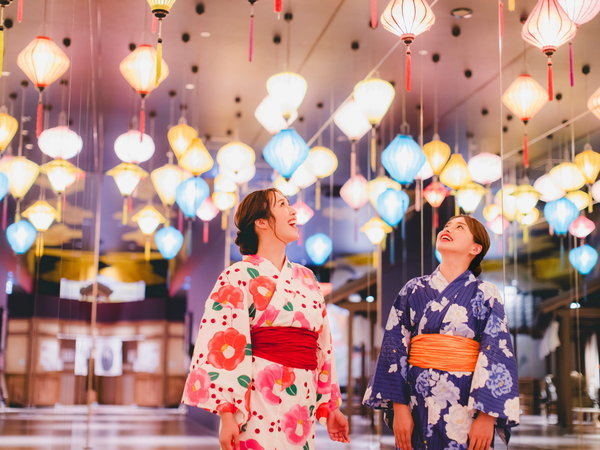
x,y
392,205
322,161
286,187
526,197
491,211
285,152
181,136
593,103
190,194
8,128
165,180
548,189
485,168
403,158
196,158
269,115
3,185
579,199
287,89
580,11
469,197
583,258
41,215
355,192
560,214
437,153
133,147
303,176
582,227
351,120
588,162
374,97
223,183
376,230
21,173
567,176
21,236
378,185
168,241
529,218
60,142
235,156
224,201
240,177
318,247
456,173
303,212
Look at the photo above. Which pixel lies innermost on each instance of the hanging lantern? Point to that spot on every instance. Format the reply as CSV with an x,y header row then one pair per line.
x,y
190,194
207,212
165,180
595,190
303,212
456,173
181,136
435,193
287,89
286,187
4,183
322,161
582,227
168,241
21,236
127,176
588,162
8,127
407,19
579,199
583,258
437,153
196,158
593,103
526,220
351,120
355,192
376,230
318,247
139,69
491,211
41,215
469,197
148,219
61,174
580,11
60,142
224,201
285,152
507,202
548,27
526,197
223,183
235,156
498,225
560,214
524,98
269,116
43,62
160,9
303,176
131,147
403,158
567,176
392,205
548,189
485,168
240,177
425,173
21,173
379,185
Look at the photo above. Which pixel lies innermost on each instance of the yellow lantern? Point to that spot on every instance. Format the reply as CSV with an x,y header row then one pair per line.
x,y
236,156
160,8
61,175
127,176
180,137
526,197
287,187
376,230
322,161
8,128
148,219
21,174
588,162
196,158
379,185
507,202
287,89
165,180
491,211
580,199
224,201
437,153
456,173
41,215
526,220
567,176
469,197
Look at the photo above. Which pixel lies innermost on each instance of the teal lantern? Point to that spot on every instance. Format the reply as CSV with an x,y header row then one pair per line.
x,y
168,241
3,185
318,247
285,152
392,205
403,158
21,236
190,194
583,258
560,214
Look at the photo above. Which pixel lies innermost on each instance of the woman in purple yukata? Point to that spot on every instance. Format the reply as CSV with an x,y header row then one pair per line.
x,y
263,359
446,377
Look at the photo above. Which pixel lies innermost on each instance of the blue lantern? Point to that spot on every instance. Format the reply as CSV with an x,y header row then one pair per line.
x,y
21,236
560,214
438,255
168,241
403,158
285,152
318,247
3,185
392,205
190,194
583,258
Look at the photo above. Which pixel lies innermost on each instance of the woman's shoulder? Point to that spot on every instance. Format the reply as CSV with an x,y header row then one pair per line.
x,y
490,291
413,285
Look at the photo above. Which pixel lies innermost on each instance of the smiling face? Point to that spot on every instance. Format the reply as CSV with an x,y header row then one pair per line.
x,y
282,220
456,238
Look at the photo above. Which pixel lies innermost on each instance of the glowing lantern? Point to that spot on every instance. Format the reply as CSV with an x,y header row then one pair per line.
x,y
196,158
148,219
579,199
235,156
582,227
526,197
60,142
376,230
548,189
41,215
8,128
583,258
529,218
595,190
61,175
588,162
21,174
318,247
524,98
242,176
355,192
392,205
160,9
456,173
287,90
560,214
485,168
548,27
133,147
507,202
303,212
43,62
168,241
3,185
207,212
378,186
490,212
285,152
567,176
127,176
407,19
593,103
223,183
435,194
425,173
403,158
287,187
165,180
322,161
181,136
21,236
469,197
269,116
580,11
351,120
190,194
437,153
498,225
303,176
224,201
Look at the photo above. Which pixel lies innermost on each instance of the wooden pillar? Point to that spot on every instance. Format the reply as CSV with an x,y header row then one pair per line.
x,y
350,384
564,357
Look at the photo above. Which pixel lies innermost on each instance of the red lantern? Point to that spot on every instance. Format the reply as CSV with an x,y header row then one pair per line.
x,y
435,194
581,227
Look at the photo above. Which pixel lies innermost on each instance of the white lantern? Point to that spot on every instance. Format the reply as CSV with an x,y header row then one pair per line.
x,y
242,176
235,156
287,90
286,187
41,215
425,173
224,200
485,168
60,142
567,176
596,191
270,117
374,97
548,189
507,202
351,120
303,212
579,199
303,176
134,147
470,196
223,183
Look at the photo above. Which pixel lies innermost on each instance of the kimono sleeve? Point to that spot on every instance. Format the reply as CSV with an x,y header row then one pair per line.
x,y
221,366
495,385
329,397
389,383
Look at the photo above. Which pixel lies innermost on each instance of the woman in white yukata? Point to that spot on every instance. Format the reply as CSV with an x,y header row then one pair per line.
x,y
446,377
263,358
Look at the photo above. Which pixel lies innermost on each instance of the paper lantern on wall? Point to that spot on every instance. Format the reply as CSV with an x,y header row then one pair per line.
x,y
168,241
287,89
376,230
392,205
437,153
181,136
485,168
355,192
583,258
303,212
378,186
21,236
548,189
351,120
469,197
318,247
285,152
456,173
560,214
567,176
60,142
403,158
269,115
582,227
133,147
190,194
165,180
8,128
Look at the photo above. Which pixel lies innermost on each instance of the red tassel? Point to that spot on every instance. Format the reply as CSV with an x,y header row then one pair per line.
x,y
39,122
251,37
373,13
4,212
20,11
408,68
501,17
205,233
129,203
550,81
154,24
525,151
142,121
436,219
571,77
278,6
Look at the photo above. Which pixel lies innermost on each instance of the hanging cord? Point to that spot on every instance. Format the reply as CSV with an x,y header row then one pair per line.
x,y
419,190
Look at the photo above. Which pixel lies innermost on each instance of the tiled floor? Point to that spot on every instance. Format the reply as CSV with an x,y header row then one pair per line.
x,y
127,428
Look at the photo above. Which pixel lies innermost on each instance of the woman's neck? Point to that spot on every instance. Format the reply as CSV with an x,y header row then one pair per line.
x,y
274,251
453,267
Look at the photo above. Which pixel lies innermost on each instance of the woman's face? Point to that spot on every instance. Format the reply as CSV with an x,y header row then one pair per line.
x,y
456,238
283,218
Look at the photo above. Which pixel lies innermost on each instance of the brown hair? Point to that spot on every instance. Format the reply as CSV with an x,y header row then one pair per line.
x,y
480,236
256,205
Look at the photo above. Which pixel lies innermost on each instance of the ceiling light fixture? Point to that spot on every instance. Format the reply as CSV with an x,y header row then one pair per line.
x,y
462,13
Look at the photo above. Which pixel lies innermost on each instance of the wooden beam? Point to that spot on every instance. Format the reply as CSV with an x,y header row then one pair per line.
x,y
362,283
566,297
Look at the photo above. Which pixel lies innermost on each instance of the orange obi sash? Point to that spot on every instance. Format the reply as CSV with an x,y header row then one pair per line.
x,y
443,352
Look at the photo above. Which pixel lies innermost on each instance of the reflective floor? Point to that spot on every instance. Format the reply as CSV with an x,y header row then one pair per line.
x,y
126,428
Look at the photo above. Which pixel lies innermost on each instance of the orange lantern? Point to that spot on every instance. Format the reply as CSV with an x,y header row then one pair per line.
x,y
435,194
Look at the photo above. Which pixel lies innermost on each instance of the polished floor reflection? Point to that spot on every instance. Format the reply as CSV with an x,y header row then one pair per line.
x,y
127,428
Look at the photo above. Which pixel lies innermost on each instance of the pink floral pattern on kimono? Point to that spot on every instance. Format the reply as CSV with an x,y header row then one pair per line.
x,y
306,277
268,317
197,386
324,380
250,444
297,424
274,378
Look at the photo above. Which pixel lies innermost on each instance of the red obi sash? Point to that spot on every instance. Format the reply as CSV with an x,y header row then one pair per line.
x,y
288,346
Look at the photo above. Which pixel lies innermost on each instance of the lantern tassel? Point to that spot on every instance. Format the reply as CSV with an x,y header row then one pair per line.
x,y
373,148
142,118
525,151
591,202
39,121
436,219
571,76
408,68
318,195
278,6
550,80
353,159
373,14
223,220
205,232
418,195
124,215
59,208
511,5
501,17
4,213
147,250
526,235
20,11
158,54
251,35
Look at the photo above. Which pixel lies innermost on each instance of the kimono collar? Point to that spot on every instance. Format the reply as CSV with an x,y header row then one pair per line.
x,y
259,260
439,282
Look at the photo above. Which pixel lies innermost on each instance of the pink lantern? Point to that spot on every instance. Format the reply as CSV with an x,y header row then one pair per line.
x,y
581,227
206,212
303,212
355,191
435,194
